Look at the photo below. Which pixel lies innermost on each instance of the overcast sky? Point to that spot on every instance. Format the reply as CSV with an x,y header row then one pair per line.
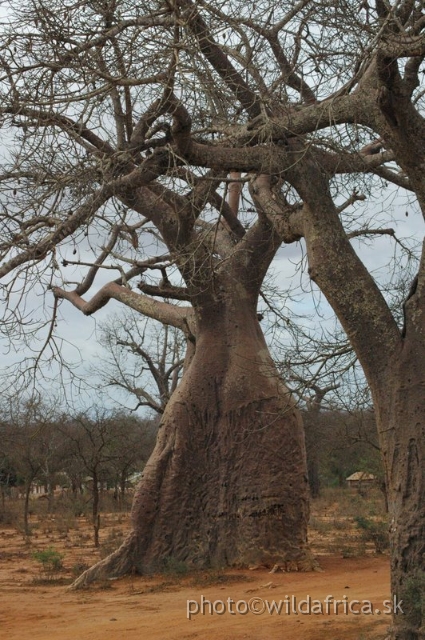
x,y
79,333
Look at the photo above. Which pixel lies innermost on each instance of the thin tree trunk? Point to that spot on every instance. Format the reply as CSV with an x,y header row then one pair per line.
x,y
227,482
122,489
26,508
312,433
123,482
313,474
50,493
95,510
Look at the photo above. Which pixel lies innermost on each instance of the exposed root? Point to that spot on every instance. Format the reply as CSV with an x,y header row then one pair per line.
x,y
117,564
125,560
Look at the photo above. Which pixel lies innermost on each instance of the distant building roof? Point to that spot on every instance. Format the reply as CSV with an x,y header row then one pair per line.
x,y
134,477
359,476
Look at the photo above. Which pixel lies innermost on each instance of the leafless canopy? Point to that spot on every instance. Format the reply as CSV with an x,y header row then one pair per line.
x,y
146,145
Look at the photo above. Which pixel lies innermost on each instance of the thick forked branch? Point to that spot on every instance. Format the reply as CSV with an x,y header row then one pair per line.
x,y
218,60
285,218
217,201
144,123
85,285
351,290
403,46
164,290
278,160
179,317
332,111
234,193
253,255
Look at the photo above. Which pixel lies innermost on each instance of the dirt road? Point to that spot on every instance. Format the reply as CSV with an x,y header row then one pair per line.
x,y
156,608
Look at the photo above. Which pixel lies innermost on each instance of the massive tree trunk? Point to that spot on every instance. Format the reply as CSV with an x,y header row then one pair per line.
x,y
401,406
400,399
226,483
401,423
394,364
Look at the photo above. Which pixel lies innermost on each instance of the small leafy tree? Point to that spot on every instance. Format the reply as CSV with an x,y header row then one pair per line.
x,y
51,561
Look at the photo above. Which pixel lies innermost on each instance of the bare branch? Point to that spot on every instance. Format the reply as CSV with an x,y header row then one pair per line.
x,y
161,311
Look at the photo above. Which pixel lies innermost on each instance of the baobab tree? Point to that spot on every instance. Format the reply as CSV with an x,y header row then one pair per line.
x,y
126,127
227,480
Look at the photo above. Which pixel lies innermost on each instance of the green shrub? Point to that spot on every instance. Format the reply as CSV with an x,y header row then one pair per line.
x,y
50,560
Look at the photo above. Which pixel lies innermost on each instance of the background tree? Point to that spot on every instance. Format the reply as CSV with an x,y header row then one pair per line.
x,y
324,373
131,449
143,359
348,443
99,444
312,425
30,442
302,102
8,477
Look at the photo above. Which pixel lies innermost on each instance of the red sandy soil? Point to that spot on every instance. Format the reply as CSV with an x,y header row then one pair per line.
x,y
155,608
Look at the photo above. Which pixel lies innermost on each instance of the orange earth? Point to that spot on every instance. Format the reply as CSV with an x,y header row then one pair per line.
x,y
37,606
